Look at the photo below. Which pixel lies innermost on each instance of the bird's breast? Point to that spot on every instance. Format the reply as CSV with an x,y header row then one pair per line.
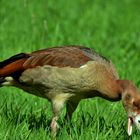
x,y
47,79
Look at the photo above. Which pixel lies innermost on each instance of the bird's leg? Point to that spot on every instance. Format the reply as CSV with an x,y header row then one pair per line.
x,y
54,126
57,106
71,106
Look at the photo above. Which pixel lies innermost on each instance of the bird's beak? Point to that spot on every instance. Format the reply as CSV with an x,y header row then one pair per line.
x,y
130,123
134,119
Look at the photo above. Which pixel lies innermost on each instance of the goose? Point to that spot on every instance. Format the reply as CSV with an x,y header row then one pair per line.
x,y
68,74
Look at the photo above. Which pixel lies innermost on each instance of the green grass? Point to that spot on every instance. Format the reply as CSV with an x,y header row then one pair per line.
x,y
111,27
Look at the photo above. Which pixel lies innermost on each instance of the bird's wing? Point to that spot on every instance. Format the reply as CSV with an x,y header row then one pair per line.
x,y
60,57
13,64
72,56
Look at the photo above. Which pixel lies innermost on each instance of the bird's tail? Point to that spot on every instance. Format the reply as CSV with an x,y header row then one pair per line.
x,y
11,67
2,80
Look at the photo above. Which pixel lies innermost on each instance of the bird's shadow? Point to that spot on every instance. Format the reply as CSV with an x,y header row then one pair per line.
x,y
35,122
40,120
16,116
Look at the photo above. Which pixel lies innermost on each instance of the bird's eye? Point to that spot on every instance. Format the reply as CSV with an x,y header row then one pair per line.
x,y
137,119
128,97
135,104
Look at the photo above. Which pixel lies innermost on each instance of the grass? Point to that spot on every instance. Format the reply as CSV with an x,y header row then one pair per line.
x,y
111,27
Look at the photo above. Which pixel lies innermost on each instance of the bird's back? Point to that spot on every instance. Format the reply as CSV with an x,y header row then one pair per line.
x,y
66,56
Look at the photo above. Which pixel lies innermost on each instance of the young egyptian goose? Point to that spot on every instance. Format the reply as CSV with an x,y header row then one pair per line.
x,y
67,75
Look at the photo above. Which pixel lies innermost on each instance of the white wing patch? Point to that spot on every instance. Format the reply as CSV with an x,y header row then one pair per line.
x,y
83,66
9,81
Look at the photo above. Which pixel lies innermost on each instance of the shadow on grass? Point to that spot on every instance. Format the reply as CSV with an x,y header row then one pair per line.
x,y
16,116
84,122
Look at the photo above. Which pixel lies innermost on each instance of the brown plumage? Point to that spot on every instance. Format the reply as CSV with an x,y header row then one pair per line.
x,y
67,75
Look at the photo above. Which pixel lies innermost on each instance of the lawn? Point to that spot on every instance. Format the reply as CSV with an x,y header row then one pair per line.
x,y
110,27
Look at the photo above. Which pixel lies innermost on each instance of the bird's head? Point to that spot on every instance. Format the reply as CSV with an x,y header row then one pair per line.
x,y
131,102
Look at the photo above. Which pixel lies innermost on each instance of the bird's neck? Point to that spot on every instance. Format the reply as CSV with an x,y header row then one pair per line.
x,y
127,88
117,90
111,91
